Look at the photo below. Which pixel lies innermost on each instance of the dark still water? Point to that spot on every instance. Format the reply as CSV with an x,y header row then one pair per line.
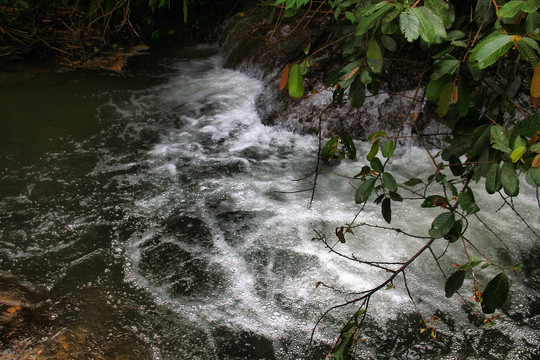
x,y
144,218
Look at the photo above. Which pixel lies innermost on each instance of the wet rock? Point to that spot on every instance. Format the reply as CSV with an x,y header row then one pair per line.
x,y
236,345
182,273
189,230
262,50
235,225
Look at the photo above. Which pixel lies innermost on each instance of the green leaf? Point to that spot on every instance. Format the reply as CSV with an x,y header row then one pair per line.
x,y
529,126
532,22
350,16
363,11
474,261
389,43
496,293
388,149
467,203
464,97
533,176
483,12
389,182
530,6
527,51
489,50
409,25
500,138
435,87
434,201
377,165
295,82
431,27
386,210
520,146
444,100
442,225
510,9
509,179
357,93
330,148
346,341
364,191
455,165
374,56
455,232
493,179
442,10
369,21
479,141
454,283
413,182
374,150
447,66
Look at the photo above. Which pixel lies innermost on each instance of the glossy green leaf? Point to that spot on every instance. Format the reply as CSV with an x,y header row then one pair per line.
x,y
374,150
295,82
489,50
454,283
386,209
377,165
388,149
364,191
442,225
509,179
389,182
455,232
493,179
374,56
479,141
496,293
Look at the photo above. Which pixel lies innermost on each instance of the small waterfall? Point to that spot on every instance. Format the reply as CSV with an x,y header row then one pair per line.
x,y
178,228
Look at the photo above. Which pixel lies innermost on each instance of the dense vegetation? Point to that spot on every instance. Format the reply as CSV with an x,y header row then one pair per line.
x,y
480,70
75,31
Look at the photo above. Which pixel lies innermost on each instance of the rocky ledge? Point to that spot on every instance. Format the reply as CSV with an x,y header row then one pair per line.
x,y
255,46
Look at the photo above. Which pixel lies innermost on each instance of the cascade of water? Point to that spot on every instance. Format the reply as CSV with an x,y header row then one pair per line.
x,y
179,225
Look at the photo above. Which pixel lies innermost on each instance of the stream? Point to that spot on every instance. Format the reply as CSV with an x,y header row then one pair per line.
x,y
153,216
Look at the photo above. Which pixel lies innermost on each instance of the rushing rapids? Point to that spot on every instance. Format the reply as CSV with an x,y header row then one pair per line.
x,y
156,217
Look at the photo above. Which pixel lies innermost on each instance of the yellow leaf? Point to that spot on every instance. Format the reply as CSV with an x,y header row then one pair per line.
x,y
535,83
536,161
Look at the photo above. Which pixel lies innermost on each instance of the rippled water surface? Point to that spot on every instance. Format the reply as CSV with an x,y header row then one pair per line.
x,y
155,217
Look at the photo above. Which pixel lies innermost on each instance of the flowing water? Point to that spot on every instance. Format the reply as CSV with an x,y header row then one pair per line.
x,y
155,217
